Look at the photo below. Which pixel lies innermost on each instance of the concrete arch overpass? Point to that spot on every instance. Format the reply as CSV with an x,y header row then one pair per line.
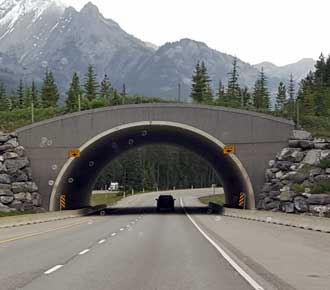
x,y
103,134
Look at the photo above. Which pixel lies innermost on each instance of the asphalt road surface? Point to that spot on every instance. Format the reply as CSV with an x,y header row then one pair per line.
x,y
136,248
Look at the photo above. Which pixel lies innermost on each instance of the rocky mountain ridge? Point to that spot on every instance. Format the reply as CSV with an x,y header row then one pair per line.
x,y
37,34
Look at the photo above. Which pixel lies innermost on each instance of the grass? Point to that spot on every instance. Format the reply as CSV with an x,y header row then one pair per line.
x,y
15,213
106,198
216,198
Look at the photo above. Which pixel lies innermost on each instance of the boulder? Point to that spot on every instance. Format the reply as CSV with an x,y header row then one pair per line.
x,y
269,175
294,143
5,209
20,176
28,172
5,179
327,171
279,174
274,205
321,146
316,171
3,168
16,204
319,199
325,155
6,199
4,138
18,187
298,177
2,159
272,163
20,151
267,187
5,147
291,154
321,178
301,135
287,207
5,186
313,157
306,144
10,155
6,192
20,196
320,210
13,142
288,195
300,204
13,165
284,165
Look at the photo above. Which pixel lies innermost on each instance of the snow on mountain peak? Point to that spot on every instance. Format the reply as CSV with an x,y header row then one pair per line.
x,y
12,10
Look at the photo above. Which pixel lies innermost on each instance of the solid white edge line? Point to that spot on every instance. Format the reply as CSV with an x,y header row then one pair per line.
x,y
51,270
84,252
101,242
244,274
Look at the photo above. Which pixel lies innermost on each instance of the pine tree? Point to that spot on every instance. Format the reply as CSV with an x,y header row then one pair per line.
x,y
74,95
124,94
246,97
91,86
35,97
27,97
49,91
260,93
220,94
233,87
197,85
106,88
201,91
280,97
20,95
115,99
4,100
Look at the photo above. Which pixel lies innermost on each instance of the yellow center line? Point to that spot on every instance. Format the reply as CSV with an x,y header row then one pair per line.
x,y
25,236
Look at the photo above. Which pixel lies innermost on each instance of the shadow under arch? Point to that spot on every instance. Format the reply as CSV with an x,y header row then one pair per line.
x,y
78,175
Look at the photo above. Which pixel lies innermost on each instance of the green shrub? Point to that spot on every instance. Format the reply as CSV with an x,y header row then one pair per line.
x,y
324,164
298,188
321,187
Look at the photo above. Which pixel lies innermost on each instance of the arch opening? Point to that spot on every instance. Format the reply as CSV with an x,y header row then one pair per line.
x,y
78,176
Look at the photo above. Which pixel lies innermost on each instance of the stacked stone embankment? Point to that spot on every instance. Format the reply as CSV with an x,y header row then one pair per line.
x,y
18,192
298,180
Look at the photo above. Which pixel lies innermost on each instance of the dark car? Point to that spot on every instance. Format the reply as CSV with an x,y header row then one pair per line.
x,y
165,203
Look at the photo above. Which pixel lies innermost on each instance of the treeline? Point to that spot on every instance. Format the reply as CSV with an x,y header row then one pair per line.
x,y
85,95
158,167
234,95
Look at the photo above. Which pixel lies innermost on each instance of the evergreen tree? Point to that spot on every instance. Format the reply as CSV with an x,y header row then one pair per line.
x,y
291,89
4,100
115,99
74,95
123,94
35,96
91,86
20,96
49,91
280,97
260,92
27,97
233,87
106,88
220,94
246,97
201,91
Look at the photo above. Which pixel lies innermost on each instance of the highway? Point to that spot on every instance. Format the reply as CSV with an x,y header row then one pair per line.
x,y
136,248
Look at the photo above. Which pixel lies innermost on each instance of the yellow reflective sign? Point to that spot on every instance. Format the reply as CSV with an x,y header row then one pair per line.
x,y
75,153
229,150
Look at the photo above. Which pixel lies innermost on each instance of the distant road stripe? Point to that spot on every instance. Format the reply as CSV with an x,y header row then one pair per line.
x,y
39,233
84,252
113,234
121,229
51,270
244,274
101,242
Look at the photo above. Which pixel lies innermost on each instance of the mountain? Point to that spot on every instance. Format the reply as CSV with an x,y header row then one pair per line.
x,y
40,34
298,69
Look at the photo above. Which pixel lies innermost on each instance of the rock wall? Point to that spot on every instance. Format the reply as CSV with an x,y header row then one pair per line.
x,y
298,180
18,192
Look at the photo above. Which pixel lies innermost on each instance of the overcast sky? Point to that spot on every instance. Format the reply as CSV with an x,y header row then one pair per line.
x,y
280,31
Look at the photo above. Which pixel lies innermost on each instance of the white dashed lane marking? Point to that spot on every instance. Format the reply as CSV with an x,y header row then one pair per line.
x,y
51,270
84,252
113,234
101,242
